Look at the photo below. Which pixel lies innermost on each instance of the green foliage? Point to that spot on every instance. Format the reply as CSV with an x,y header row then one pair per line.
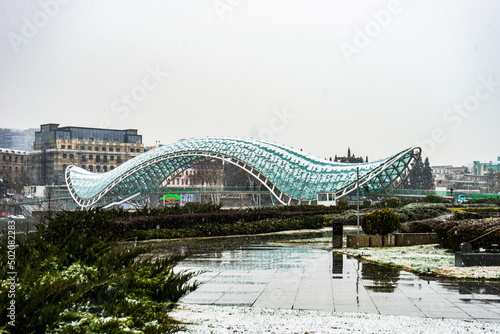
x,y
419,211
238,228
392,202
71,279
421,176
367,203
431,198
452,234
421,226
342,204
382,222
487,200
348,217
305,208
408,200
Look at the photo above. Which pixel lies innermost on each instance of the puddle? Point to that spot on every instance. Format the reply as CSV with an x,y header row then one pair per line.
x,y
299,277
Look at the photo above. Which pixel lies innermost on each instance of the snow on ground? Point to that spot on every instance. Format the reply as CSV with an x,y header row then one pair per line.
x,y
423,258
225,319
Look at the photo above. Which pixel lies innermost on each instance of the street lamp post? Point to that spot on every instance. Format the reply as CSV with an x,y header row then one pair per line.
x,y
357,193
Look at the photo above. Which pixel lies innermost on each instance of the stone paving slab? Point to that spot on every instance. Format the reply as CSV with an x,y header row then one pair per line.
x,y
298,279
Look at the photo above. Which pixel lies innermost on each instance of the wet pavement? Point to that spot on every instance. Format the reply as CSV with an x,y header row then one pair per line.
x,y
312,279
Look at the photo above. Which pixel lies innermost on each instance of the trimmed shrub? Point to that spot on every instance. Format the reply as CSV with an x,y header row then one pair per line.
x,y
380,222
408,200
392,202
442,230
466,215
470,230
348,217
367,203
342,204
421,226
431,198
420,211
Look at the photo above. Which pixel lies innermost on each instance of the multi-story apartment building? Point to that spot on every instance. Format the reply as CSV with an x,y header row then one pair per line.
x,y
96,150
483,168
13,169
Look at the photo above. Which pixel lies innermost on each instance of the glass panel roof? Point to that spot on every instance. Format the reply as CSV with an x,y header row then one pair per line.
x,y
299,175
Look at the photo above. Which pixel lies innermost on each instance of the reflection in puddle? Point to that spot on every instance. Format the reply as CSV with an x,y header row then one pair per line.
x,y
355,285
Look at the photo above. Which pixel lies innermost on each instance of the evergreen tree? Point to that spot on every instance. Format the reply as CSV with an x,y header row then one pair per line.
x,y
427,177
421,177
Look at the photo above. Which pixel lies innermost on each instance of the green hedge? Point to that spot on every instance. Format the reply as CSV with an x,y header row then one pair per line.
x,y
238,228
451,234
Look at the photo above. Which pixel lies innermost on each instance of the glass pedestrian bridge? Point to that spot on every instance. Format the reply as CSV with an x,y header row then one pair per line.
x,y
290,175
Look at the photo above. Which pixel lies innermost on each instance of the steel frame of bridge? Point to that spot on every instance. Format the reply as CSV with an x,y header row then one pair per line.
x,y
291,176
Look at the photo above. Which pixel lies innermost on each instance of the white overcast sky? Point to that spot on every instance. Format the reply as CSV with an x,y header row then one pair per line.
x,y
377,76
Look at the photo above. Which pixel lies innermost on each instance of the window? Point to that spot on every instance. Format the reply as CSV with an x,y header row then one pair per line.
x,y
97,158
117,149
83,166
91,157
119,160
65,155
111,149
105,158
82,148
91,168
112,158
71,156
69,147
18,157
112,167
63,147
97,148
131,150
97,168
104,149
105,168
89,148
177,181
137,150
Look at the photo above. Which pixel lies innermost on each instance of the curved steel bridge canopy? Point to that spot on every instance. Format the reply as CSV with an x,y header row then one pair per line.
x,y
291,176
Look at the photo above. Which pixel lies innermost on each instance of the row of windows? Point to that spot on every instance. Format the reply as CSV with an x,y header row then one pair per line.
x,y
91,168
182,182
96,148
16,169
91,157
16,158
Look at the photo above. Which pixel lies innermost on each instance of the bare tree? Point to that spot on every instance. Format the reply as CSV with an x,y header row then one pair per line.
x,y
493,179
207,173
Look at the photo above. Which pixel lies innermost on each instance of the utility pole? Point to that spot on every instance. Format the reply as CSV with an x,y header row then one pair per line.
x,y
357,193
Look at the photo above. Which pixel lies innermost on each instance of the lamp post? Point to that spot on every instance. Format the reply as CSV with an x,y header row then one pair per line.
x,y
357,193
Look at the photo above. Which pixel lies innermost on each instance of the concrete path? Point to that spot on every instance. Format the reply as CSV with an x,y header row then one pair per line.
x,y
301,278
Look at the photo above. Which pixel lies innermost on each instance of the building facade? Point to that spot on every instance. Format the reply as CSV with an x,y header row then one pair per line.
x,y
19,140
483,168
14,170
93,149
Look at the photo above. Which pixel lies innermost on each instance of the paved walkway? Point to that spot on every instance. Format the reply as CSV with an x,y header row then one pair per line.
x,y
301,278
